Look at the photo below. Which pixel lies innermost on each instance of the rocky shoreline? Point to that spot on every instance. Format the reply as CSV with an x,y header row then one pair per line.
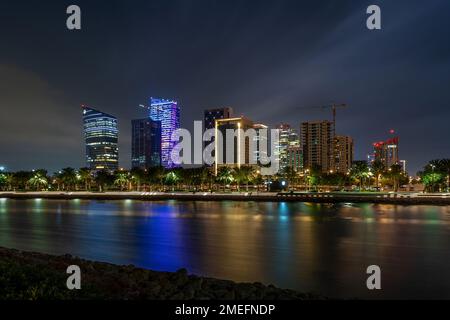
x,y
37,276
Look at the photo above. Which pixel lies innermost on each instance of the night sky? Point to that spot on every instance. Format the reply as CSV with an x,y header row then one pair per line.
x,y
266,59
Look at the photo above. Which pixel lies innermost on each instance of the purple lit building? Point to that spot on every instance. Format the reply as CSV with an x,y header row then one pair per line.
x,y
168,113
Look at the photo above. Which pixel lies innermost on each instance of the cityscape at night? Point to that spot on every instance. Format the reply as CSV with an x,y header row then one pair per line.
x,y
236,150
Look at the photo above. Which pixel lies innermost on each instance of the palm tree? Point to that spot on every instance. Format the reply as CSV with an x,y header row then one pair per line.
x,y
239,176
444,165
396,172
85,175
291,176
258,180
225,175
39,180
360,171
103,179
121,179
378,168
137,177
205,177
68,177
9,180
21,178
159,175
431,180
3,180
172,179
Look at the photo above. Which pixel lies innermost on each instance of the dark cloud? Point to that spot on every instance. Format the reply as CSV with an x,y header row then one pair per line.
x,y
267,59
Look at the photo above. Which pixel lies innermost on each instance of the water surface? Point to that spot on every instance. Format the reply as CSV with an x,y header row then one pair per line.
x,y
308,247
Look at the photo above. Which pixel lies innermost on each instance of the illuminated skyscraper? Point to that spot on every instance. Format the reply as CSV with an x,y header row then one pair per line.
x,y
262,150
145,143
101,137
318,144
343,153
168,112
295,158
387,152
288,138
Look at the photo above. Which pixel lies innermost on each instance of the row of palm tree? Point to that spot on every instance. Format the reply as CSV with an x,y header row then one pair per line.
x,y
436,177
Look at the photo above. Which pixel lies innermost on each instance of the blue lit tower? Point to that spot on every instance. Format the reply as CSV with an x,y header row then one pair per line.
x,y
101,138
168,112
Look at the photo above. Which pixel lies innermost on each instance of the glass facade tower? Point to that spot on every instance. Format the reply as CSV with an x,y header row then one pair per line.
x,y
145,143
101,137
168,113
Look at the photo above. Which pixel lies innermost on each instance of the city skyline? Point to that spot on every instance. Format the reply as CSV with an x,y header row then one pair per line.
x,y
389,79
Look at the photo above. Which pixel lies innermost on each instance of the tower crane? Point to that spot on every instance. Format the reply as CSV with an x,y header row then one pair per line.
x,y
333,107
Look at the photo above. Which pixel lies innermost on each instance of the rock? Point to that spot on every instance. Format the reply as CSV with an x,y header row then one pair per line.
x,y
108,281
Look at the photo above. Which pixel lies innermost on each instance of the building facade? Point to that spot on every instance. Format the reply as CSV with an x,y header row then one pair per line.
x,y
386,152
101,137
261,142
232,154
145,143
318,144
295,158
211,115
343,154
168,113
289,137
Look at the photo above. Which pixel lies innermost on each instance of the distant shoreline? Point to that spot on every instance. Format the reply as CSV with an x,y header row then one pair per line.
x,y
335,197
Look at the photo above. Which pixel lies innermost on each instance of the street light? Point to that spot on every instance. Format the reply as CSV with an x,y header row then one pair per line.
x,y
2,168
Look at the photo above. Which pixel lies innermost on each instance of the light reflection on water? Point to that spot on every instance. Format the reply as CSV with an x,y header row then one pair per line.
x,y
310,247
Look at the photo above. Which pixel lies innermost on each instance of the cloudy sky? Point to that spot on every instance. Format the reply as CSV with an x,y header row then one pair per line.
x,y
268,59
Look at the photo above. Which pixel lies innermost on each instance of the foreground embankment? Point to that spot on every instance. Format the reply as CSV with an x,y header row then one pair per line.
x,y
33,276
336,197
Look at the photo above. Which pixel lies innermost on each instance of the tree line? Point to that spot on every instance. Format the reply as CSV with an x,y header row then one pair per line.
x,y
435,177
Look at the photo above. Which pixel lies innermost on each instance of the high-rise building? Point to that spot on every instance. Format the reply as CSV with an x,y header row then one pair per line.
x,y
168,112
295,158
403,164
211,115
145,143
101,137
262,147
318,144
387,152
288,138
343,153
237,153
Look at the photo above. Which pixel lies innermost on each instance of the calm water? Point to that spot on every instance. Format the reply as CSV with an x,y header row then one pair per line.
x,y
308,247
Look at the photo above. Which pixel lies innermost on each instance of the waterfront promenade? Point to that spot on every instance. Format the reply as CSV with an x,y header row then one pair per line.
x,y
316,197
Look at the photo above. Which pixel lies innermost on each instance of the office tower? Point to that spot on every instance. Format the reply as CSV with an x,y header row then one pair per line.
x,y
239,150
386,152
211,115
101,138
145,143
294,138
317,143
168,113
288,138
261,142
343,153
295,158
403,164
